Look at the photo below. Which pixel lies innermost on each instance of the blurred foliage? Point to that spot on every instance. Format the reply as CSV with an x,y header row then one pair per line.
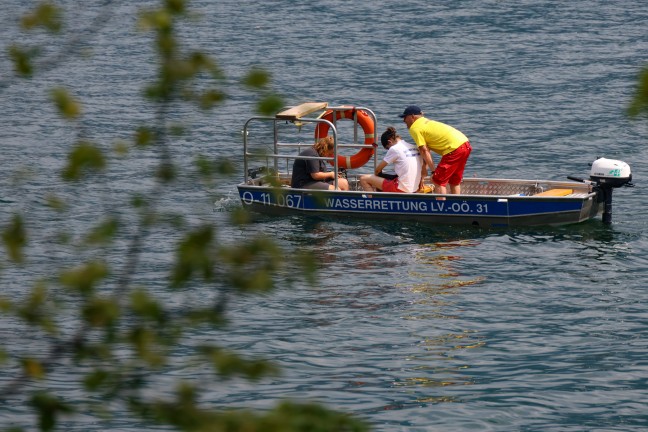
x,y
67,106
85,157
46,15
14,237
126,336
22,60
639,103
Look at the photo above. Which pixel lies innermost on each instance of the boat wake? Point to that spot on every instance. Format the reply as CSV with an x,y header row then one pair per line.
x,y
228,203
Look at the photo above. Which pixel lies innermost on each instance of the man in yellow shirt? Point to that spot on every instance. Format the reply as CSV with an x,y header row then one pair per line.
x,y
451,144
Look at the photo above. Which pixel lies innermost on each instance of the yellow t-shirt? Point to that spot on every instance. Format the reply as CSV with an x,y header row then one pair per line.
x,y
439,137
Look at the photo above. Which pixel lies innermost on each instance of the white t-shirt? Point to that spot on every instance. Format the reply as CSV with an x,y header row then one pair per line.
x,y
407,165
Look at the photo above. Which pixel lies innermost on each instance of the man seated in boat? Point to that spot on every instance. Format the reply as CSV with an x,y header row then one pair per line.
x,y
313,173
408,166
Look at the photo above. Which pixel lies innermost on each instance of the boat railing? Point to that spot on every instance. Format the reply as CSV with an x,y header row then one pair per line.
x,y
273,157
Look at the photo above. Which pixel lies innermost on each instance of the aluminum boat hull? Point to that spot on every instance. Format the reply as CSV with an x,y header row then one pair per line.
x,y
466,209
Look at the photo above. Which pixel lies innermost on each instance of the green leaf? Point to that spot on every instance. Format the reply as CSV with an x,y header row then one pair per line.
x,y
256,78
157,19
22,60
36,310
167,47
84,158
144,136
166,172
183,412
103,233
68,107
194,257
240,216
49,408
201,61
46,15
147,346
139,201
211,98
55,203
101,312
269,105
208,168
14,237
289,416
228,364
308,265
210,315
252,264
177,129
33,368
205,166
145,306
639,103
98,378
83,350
6,305
85,278
175,6
120,147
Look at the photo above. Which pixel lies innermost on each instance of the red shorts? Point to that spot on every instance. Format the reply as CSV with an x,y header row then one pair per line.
x,y
451,167
390,185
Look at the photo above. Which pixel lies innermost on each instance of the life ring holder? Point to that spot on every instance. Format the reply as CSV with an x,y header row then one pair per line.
x,y
365,121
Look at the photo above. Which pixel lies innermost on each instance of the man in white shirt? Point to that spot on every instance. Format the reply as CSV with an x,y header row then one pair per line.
x,y
408,166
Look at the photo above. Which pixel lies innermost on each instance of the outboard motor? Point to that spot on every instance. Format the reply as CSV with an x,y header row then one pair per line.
x,y
608,174
611,173
605,175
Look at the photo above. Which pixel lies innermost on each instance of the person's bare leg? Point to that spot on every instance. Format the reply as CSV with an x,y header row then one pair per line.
x,y
455,189
439,189
343,184
370,182
364,183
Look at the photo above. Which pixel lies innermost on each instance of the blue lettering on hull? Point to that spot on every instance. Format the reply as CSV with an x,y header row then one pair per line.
x,y
375,204
418,206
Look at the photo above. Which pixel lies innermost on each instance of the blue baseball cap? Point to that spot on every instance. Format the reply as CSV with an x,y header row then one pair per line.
x,y
411,110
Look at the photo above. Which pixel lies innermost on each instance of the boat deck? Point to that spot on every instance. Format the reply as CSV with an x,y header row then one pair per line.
x,y
471,186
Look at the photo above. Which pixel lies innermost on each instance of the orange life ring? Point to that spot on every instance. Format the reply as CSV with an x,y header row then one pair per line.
x,y
367,124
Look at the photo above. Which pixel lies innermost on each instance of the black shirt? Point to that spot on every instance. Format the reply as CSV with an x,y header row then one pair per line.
x,y
303,168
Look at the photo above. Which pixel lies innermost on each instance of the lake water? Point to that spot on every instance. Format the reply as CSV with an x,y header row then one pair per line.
x,y
411,327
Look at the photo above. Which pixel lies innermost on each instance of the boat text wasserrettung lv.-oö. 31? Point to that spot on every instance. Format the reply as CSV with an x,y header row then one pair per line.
x,y
271,144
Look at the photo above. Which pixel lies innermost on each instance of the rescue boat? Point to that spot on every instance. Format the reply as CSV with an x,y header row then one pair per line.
x,y
271,144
